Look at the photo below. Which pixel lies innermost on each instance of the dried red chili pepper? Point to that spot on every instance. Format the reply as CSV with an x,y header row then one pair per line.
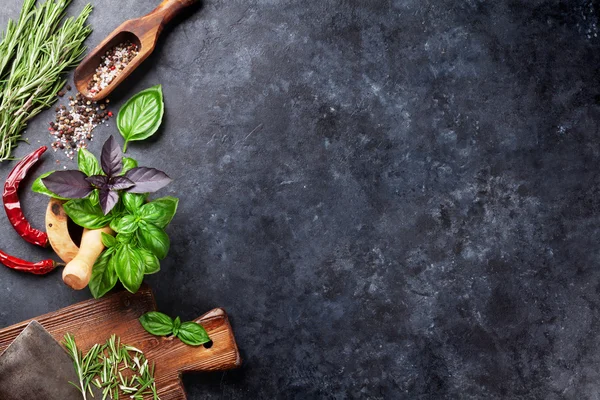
x,y
12,205
38,268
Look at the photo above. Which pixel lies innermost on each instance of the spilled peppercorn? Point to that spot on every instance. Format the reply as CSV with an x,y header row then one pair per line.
x,y
73,125
112,63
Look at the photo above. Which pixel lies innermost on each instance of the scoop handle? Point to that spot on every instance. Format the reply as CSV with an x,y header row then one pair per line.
x,y
78,272
168,9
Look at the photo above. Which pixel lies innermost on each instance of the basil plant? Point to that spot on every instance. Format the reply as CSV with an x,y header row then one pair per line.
x,y
114,192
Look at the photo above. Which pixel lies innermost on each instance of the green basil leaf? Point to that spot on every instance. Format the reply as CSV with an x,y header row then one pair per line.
x,y
128,224
117,213
119,209
160,212
39,187
88,164
133,202
128,164
154,239
151,263
85,214
129,267
176,326
94,197
157,323
104,276
193,334
124,238
108,240
115,222
141,116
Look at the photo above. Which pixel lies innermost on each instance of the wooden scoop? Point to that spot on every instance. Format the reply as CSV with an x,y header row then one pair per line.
x,y
142,31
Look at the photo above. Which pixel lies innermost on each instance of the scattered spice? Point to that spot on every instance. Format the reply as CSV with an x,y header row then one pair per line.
x,y
73,126
12,205
112,63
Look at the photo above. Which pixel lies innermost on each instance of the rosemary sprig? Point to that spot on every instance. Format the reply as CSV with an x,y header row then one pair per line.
x,y
77,357
107,367
14,32
34,54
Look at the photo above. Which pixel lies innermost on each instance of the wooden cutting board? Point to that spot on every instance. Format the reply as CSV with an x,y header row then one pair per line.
x,y
94,321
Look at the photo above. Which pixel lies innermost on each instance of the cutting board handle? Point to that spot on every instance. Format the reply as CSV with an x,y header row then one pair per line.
x,y
94,321
221,354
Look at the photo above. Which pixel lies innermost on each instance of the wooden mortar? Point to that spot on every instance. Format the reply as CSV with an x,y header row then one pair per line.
x,y
80,260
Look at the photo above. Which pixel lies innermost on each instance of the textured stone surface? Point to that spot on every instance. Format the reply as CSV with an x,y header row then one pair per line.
x,y
392,199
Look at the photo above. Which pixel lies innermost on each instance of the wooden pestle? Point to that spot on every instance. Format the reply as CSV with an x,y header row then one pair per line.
x,y
78,272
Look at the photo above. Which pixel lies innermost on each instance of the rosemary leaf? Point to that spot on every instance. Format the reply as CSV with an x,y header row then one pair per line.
x,y
102,367
71,347
35,52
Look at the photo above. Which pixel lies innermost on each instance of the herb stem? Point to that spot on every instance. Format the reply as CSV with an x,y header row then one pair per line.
x,y
71,346
101,367
34,53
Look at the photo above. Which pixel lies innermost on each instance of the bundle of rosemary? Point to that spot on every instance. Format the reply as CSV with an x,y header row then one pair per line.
x,y
114,368
34,53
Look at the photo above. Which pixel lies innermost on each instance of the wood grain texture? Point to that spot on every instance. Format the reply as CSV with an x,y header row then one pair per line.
x,y
58,231
94,321
144,32
78,271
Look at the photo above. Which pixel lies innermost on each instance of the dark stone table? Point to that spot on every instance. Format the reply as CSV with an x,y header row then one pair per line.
x,y
392,199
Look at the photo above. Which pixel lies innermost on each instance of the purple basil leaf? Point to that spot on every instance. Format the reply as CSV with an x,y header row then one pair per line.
x,y
147,180
112,157
99,181
108,199
68,184
120,183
